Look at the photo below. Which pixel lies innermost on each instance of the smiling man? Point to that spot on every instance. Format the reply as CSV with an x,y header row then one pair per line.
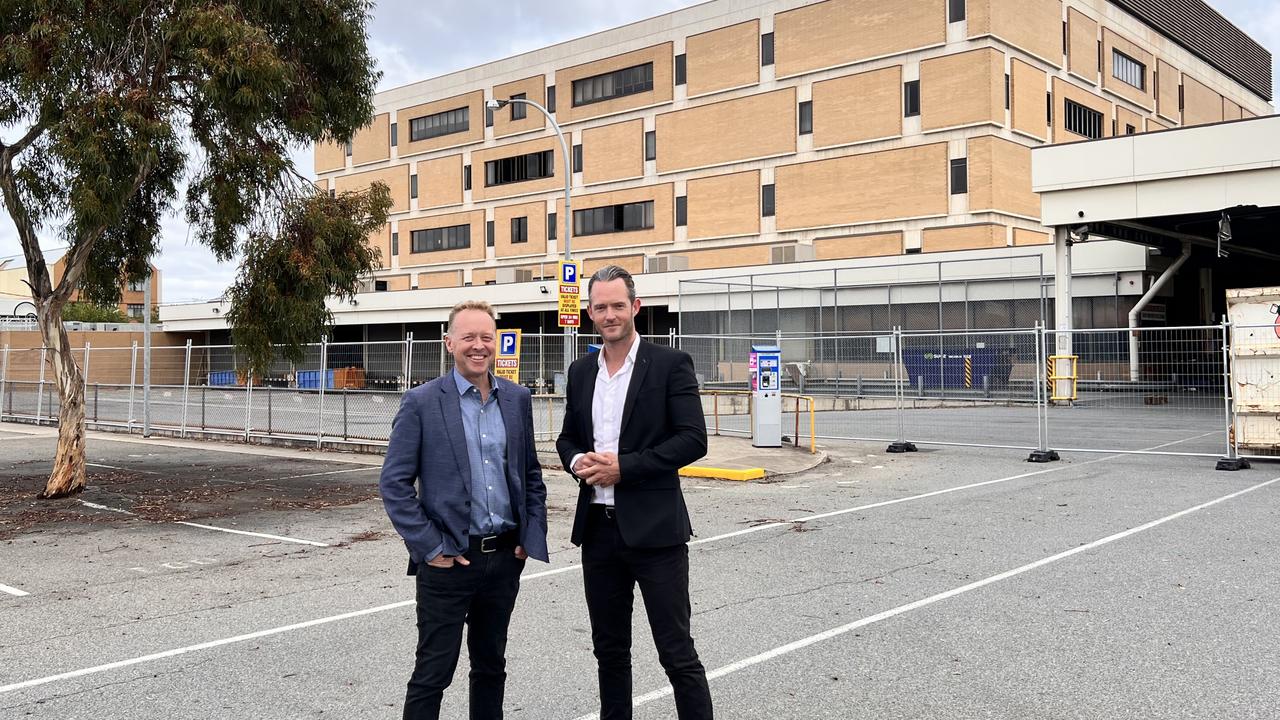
x,y
633,418
463,487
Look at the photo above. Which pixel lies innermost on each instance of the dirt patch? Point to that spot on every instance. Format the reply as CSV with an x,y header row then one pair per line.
x,y
133,497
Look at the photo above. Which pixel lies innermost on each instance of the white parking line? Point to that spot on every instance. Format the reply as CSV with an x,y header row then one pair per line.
x,y
901,609
252,534
546,573
113,467
96,506
13,591
329,472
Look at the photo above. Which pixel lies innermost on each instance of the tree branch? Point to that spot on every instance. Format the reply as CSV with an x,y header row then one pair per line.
x,y
37,271
8,152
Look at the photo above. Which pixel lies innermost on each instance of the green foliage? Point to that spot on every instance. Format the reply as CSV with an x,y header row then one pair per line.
x,y
90,313
120,104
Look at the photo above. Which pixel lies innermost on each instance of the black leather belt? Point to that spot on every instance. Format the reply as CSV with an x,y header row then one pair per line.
x,y
602,511
493,543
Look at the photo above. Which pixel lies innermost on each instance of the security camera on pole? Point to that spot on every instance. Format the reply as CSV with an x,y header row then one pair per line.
x,y
568,319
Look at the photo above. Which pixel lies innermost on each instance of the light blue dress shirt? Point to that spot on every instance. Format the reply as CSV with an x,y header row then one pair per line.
x,y
487,453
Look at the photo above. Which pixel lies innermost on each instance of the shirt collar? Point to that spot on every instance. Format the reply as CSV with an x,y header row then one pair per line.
x,y
464,384
631,354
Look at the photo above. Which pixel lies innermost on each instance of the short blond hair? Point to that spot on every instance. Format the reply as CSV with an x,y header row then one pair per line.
x,y
480,305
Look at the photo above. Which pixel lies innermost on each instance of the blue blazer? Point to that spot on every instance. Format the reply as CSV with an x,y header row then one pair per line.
x,y
426,477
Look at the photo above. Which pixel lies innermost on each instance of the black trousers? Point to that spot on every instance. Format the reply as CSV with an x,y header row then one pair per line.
x,y
481,595
611,570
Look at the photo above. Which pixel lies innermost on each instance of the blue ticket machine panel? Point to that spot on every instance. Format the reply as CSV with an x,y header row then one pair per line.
x,y
766,386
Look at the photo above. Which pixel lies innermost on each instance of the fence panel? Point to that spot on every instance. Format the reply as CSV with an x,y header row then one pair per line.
x,y
1150,390
1255,388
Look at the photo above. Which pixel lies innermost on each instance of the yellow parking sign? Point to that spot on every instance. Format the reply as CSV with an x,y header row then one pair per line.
x,y
570,310
507,364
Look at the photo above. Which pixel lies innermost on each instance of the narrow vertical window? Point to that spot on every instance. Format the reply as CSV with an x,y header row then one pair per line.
x,y
394,135
682,211
466,177
488,117
348,148
395,243
413,187
766,49
911,98
551,226
681,69
519,110
806,117
959,176
651,145
766,201
955,10
1008,92
488,234
551,98
577,158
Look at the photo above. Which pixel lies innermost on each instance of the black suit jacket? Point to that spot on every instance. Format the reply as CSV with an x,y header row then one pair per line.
x,y
663,430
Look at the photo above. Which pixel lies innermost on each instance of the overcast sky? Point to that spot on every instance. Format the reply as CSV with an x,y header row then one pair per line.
x,y
413,40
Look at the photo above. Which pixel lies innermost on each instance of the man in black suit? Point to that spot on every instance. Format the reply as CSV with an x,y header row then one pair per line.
x,y
633,418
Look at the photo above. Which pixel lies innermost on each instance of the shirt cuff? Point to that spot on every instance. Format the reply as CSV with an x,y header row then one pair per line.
x,y
574,463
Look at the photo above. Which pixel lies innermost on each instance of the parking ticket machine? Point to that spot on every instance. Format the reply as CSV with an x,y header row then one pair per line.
x,y
766,387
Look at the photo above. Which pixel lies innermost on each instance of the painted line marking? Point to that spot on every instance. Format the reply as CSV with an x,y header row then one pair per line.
x,y
253,534
113,467
546,573
846,482
13,591
330,472
96,506
939,597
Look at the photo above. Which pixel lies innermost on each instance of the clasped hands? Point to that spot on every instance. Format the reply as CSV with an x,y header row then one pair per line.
x,y
599,469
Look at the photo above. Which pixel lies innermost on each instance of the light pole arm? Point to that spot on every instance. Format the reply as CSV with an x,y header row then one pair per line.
x,y
568,172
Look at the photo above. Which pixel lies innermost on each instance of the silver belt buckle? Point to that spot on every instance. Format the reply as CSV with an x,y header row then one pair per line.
x,y
486,547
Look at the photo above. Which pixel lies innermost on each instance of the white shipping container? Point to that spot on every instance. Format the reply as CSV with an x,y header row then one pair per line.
x,y
1255,368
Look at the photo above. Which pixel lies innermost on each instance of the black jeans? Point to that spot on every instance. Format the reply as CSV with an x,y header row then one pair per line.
x,y
482,595
611,570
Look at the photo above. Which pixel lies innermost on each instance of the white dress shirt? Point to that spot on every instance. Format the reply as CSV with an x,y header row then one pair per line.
x,y
607,402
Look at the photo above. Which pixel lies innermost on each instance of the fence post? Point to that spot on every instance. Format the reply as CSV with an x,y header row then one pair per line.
x,y
95,402
344,412
1232,461
1042,453
4,380
442,352
408,363
133,373
84,381
186,388
900,445
40,387
324,364
248,403
672,334
270,427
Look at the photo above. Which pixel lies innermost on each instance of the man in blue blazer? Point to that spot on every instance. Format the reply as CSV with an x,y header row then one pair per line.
x,y
462,485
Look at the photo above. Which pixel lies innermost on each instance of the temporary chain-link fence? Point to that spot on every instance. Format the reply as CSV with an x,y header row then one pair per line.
x,y
1198,391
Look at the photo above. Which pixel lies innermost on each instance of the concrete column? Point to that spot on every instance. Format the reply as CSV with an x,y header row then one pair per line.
x,y
1064,322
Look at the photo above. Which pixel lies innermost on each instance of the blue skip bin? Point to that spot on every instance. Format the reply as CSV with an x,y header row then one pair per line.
x,y
222,378
310,379
958,369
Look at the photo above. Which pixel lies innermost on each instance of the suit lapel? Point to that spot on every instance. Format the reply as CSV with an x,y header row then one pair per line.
x,y
587,391
633,387
451,411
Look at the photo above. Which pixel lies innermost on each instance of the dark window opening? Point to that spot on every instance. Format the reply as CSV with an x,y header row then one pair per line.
x,y
532,166
379,285
955,10
413,187
806,117
627,217
1082,120
395,243
466,177
619,83
651,145
441,123
519,230
455,237
394,135
959,176
766,49
681,69
551,98
551,226
682,211
911,98
577,158
1128,71
488,234
519,110
766,201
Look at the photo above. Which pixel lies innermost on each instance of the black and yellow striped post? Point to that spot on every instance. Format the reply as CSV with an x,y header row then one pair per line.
x,y
968,371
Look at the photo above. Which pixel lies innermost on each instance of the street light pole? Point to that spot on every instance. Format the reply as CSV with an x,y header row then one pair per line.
x,y
492,105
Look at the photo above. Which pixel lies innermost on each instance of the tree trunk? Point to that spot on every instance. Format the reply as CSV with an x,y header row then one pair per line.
x,y
68,476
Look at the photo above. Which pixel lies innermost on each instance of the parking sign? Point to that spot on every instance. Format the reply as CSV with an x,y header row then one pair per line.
x,y
570,305
507,364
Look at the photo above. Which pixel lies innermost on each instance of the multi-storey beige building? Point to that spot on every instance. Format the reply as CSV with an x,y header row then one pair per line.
x,y
749,133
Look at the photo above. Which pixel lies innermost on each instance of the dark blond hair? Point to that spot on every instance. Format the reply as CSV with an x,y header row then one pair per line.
x,y
471,305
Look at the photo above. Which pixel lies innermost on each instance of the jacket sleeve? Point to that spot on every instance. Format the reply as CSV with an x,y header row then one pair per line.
x,y
571,443
688,439
535,491
398,483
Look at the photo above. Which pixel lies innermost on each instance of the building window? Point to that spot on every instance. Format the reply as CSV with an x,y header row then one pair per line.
x,y
348,148
1008,92
135,310
766,49
379,285
911,98
651,145
488,117
551,226
413,187
959,176
806,117
488,234
137,285
533,165
456,237
466,177
613,219
519,230
551,98
1127,70
681,69
608,86
333,193
1081,120
1130,130
519,110
766,201
955,10
441,123
682,211
394,133
577,158
395,243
